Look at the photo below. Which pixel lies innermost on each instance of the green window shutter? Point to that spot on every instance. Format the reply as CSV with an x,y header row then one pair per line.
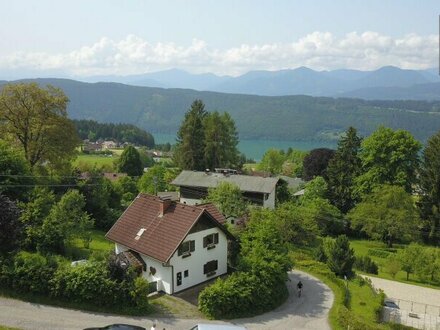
x,y
192,246
216,238
179,250
205,241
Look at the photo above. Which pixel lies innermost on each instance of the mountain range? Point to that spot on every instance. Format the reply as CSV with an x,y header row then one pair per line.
x,y
385,83
292,118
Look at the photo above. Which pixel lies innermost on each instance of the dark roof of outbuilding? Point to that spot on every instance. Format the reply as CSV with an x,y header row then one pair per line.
x,y
162,235
212,180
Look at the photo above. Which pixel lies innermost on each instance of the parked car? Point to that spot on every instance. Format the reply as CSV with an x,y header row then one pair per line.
x,y
390,304
118,327
217,327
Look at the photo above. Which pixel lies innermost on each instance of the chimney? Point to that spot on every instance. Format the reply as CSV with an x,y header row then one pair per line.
x,y
164,203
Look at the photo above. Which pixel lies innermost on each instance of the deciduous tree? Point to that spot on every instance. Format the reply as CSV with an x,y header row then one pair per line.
x,y
387,214
316,162
35,119
228,198
388,157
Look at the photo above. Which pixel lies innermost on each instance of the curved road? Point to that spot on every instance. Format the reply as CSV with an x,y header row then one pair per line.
x,y
308,312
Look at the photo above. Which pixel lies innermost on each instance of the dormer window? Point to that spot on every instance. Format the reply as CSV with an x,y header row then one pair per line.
x,y
139,234
210,241
186,248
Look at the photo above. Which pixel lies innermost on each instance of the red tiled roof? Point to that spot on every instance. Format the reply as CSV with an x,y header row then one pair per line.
x,y
214,211
163,234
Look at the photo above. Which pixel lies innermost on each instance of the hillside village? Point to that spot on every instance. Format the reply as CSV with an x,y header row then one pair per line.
x,y
154,223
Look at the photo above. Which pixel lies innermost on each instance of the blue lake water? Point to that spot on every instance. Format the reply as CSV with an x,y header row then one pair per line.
x,y
256,148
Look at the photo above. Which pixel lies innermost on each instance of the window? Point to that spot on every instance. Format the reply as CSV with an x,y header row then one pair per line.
x,y
186,273
210,241
186,248
210,267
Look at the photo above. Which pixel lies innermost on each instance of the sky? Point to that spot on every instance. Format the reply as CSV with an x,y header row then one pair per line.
x,y
227,37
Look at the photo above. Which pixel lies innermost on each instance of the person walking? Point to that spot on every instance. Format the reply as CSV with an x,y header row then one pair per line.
x,y
299,287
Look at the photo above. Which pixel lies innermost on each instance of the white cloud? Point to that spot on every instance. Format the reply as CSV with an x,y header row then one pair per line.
x,y
318,50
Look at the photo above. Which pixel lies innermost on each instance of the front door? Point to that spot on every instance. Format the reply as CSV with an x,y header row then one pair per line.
x,y
179,278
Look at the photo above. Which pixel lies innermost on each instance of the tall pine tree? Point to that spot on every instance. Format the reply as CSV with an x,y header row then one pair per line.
x,y
430,185
189,154
342,170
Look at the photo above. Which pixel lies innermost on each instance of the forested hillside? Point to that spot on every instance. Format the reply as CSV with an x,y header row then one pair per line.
x,y
289,117
90,129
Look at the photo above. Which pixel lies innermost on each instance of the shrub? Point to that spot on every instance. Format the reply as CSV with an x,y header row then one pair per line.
x,y
241,294
365,264
139,293
340,257
30,272
90,282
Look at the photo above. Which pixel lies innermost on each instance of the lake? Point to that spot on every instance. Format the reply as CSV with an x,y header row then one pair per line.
x,y
256,148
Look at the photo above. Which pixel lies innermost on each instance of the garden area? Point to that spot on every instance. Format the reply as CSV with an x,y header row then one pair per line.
x,y
422,262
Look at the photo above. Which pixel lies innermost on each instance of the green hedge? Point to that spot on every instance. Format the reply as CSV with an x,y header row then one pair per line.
x,y
379,253
241,294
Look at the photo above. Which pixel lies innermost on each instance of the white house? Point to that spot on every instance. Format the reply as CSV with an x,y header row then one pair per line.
x,y
176,246
256,190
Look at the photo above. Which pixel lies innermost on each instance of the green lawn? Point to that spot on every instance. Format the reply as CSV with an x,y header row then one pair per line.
x,y
99,244
96,160
362,247
2,327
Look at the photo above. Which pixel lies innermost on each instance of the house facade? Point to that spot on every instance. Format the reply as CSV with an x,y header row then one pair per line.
x,y
178,245
256,190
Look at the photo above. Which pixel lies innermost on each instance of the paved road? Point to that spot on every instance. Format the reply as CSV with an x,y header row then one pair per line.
x,y
308,312
424,303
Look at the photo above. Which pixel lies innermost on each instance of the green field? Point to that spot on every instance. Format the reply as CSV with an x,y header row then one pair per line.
x,y
96,160
365,247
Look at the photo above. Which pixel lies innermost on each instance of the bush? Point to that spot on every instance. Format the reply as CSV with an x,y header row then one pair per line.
x,y
139,293
90,282
365,264
241,294
29,272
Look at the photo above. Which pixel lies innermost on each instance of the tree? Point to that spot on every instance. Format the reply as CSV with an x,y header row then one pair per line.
x,y
228,198
429,266
294,224
102,199
15,173
190,148
388,157
130,162
272,161
36,120
127,189
33,214
387,214
153,180
409,258
340,257
430,186
221,141
10,226
342,169
316,162
392,265
66,220
293,165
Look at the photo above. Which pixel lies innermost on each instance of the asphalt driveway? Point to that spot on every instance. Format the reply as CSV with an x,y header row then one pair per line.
x,y
308,312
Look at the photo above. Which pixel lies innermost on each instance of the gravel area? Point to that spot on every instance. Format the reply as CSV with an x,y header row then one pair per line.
x,y
308,312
